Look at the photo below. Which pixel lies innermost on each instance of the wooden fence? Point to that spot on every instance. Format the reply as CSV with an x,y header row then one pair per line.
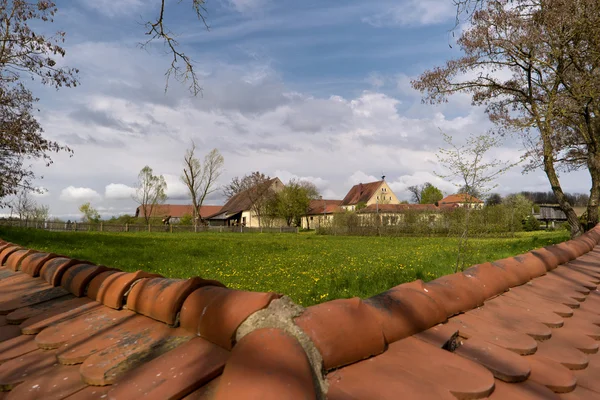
x,y
104,227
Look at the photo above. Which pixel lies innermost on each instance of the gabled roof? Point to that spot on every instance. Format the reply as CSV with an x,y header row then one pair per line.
x,y
242,201
397,208
361,193
317,207
179,210
459,198
524,327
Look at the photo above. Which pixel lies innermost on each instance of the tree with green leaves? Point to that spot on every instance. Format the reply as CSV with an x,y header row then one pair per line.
x,y
292,202
430,194
469,166
150,191
90,214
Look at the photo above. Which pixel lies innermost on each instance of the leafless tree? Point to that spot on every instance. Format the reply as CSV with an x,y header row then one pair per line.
x,y
150,191
22,205
201,178
467,166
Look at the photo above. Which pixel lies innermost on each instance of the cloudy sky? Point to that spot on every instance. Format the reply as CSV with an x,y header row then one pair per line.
x,y
315,89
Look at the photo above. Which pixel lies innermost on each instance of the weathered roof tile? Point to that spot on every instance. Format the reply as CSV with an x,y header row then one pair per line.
x,y
400,341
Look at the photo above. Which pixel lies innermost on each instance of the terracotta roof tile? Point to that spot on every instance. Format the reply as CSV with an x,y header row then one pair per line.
x,y
13,261
32,264
162,298
215,312
397,208
459,198
267,364
180,210
531,320
317,207
174,374
361,193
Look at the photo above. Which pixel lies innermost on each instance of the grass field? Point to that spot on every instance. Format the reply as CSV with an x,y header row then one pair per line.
x,y
307,267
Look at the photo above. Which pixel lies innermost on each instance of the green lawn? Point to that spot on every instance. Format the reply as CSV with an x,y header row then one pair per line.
x,y
307,267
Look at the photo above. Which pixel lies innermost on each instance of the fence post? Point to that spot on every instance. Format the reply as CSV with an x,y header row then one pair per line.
x,y
171,228
75,226
280,229
126,227
149,229
101,227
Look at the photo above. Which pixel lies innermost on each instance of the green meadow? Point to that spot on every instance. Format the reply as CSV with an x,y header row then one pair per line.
x,y
309,268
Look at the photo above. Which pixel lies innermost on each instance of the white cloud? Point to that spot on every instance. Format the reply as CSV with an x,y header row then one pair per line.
x,y
118,8
73,194
247,5
413,12
176,190
118,191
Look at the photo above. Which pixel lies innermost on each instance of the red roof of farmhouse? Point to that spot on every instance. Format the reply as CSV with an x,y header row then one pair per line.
x,y
179,210
323,206
361,193
524,327
459,198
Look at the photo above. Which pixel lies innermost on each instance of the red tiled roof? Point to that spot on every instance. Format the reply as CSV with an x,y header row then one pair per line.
x,y
317,207
243,200
179,210
459,198
524,327
361,193
395,208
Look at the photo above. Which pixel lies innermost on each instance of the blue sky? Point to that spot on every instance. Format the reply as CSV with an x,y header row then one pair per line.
x,y
318,90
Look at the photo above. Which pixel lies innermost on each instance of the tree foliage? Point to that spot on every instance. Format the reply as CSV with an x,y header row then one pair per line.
x,y
201,177
25,54
150,191
430,194
90,214
292,202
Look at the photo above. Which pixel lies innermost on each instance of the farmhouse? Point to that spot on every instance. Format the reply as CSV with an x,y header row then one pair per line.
x,y
177,211
320,212
241,209
461,200
365,194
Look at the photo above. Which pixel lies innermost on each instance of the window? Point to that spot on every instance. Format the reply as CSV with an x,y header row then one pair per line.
x,y
377,197
311,218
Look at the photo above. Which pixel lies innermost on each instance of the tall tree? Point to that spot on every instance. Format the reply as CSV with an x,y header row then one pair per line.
x,y
150,191
534,65
25,54
201,178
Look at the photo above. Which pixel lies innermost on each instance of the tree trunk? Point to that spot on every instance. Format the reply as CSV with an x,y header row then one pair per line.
x,y
592,207
576,228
